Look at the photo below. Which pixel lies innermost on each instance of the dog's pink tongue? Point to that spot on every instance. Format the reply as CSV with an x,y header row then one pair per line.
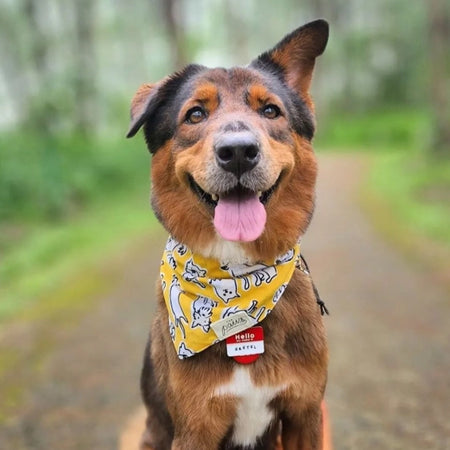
x,y
240,218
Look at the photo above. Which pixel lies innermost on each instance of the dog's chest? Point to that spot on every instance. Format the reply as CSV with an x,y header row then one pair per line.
x,y
253,414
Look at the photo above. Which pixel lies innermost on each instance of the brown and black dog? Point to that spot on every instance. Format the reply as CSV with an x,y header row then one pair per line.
x,y
234,136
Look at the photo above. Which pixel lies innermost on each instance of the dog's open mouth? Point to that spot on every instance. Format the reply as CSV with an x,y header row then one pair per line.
x,y
239,214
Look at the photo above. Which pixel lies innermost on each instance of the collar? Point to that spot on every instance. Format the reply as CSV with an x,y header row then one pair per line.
x,y
207,301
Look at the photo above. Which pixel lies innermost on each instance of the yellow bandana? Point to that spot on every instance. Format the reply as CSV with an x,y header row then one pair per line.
x,y
208,301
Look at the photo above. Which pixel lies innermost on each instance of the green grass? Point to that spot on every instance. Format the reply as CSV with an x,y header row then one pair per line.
x,y
51,254
417,192
57,272
407,192
66,203
68,228
407,199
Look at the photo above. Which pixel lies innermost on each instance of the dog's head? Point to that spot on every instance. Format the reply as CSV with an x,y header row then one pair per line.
x,y
232,154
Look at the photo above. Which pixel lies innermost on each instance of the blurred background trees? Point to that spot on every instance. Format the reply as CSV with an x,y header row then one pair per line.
x,y
65,63
438,47
69,69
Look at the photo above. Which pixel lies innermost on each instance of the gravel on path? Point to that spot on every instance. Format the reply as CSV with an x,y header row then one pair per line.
x,y
389,328
83,392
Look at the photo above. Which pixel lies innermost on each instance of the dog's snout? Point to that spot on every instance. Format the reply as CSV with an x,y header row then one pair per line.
x,y
237,152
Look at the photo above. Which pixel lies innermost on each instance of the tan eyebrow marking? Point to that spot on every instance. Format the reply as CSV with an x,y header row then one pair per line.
x,y
259,95
208,95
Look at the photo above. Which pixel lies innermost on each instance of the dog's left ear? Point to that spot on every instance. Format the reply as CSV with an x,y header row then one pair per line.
x,y
295,56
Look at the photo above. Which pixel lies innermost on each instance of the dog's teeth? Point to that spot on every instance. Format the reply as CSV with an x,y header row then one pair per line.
x,y
259,194
215,197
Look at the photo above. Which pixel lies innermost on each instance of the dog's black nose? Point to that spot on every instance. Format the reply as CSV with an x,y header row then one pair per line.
x,y
237,152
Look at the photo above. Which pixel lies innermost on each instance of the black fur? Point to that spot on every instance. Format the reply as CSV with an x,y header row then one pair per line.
x,y
161,419
300,116
160,118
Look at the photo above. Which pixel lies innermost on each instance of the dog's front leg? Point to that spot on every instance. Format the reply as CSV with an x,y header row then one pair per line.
x,y
189,444
303,432
201,439
204,425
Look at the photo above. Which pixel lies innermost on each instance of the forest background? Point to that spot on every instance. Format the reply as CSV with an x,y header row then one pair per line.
x,y
73,190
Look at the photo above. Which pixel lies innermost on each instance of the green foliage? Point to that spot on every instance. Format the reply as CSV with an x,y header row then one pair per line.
x,y
416,192
65,201
50,254
51,178
407,189
376,131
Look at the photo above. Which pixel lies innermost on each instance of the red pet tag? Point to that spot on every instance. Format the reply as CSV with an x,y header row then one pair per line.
x,y
246,346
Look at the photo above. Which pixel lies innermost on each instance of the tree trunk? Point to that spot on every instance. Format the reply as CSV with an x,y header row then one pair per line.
x,y
41,111
172,19
236,33
84,83
439,40
11,67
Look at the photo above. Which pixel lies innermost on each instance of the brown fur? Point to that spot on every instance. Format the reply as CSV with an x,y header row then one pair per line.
x,y
294,355
295,343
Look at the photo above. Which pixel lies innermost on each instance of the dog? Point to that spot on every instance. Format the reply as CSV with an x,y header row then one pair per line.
x,y
233,181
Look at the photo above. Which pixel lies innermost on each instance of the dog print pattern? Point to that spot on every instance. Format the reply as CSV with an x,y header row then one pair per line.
x,y
172,246
202,310
175,305
171,330
288,256
192,272
252,311
226,289
278,293
251,275
184,352
200,292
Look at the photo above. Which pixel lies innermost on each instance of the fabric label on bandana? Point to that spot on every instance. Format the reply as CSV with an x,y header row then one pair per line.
x,y
232,325
208,301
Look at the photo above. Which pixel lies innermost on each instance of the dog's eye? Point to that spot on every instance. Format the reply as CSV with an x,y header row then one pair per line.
x,y
195,115
271,111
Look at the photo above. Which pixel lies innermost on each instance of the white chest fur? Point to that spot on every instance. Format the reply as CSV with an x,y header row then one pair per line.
x,y
253,414
226,251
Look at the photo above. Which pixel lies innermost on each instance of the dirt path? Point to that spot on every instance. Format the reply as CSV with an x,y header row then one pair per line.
x,y
81,395
389,385
389,331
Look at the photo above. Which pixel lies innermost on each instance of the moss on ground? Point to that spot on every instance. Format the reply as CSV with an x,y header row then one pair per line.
x,y
29,338
407,198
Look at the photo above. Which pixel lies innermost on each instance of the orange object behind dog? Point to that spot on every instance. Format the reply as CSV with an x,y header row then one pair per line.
x,y
326,431
327,445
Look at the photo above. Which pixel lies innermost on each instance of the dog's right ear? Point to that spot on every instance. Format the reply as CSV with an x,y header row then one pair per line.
x,y
140,106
